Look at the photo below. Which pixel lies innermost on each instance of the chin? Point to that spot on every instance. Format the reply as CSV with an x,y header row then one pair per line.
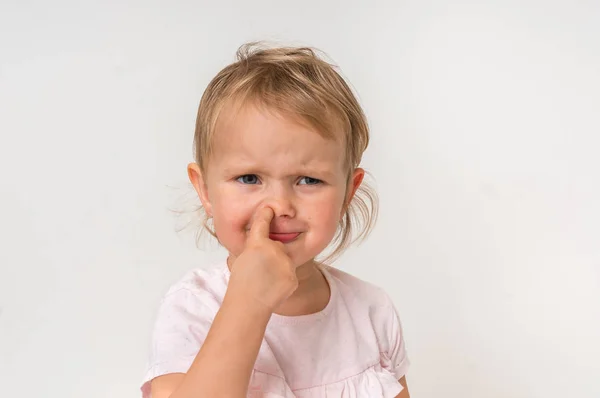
x,y
301,262
300,259
302,256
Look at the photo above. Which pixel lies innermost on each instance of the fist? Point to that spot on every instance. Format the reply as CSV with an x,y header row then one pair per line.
x,y
263,272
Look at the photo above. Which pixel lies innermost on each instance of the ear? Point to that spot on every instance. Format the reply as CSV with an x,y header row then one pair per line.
x,y
355,180
197,180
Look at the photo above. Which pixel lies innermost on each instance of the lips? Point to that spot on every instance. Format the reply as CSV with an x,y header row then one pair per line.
x,y
284,237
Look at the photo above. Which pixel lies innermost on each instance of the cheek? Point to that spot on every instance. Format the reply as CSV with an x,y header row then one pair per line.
x,y
231,215
230,206
325,212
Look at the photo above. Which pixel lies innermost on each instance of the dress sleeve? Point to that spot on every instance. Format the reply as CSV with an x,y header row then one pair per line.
x,y
393,355
180,329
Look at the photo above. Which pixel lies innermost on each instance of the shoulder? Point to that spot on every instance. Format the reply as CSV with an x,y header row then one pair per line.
x,y
366,299
358,290
199,286
199,280
183,320
188,308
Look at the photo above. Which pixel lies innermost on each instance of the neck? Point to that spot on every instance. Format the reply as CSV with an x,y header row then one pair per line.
x,y
304,272
312,294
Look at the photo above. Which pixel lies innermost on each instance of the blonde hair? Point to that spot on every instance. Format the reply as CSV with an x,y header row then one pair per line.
x,y
296,82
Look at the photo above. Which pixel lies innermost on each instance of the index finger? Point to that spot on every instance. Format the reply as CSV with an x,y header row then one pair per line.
x,y
261,224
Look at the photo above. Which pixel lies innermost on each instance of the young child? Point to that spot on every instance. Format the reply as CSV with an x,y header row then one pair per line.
x,y
279,138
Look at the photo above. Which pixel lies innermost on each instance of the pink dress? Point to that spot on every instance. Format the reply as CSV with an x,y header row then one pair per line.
x,y
353,348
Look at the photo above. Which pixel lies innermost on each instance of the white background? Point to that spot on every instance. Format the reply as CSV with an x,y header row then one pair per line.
x,y
485,126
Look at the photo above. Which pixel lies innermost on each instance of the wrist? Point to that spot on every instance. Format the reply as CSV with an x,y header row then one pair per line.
x,y
249,308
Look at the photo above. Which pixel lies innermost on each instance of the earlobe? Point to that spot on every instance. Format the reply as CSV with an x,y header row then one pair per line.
x,y
197,179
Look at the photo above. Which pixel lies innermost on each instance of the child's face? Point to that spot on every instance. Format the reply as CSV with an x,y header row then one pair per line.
x,y
261,158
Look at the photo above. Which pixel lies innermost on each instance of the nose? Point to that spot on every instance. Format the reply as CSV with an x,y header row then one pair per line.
x,y
281,200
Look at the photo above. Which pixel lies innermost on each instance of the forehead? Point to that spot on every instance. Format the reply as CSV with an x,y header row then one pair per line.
x,y
256,134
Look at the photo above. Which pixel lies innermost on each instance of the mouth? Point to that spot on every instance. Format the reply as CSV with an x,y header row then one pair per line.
x,y
284,237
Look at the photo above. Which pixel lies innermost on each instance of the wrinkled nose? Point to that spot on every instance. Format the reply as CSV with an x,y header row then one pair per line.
x,y
281,200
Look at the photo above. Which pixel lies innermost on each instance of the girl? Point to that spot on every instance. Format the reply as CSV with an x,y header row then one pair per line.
x,y
279,138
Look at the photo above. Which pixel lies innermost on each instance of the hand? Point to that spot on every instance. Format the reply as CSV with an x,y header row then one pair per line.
x,y
263,272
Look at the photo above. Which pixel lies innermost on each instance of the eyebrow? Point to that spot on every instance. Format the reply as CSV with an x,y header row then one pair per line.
x,y
253,169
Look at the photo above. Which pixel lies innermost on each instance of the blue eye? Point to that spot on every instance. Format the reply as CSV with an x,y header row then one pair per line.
x,y
309,181
249,179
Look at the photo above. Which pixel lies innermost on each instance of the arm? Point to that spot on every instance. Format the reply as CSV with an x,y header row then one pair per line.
x,y
262,277
404,393
224,364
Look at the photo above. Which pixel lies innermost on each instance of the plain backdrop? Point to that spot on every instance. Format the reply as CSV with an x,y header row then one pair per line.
x,y
485,139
